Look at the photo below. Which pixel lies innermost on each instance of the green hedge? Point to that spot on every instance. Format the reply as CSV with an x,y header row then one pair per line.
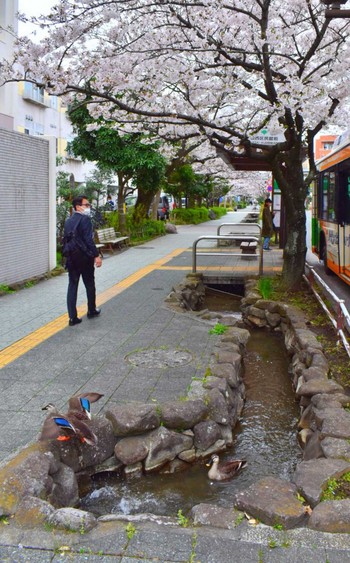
x,y
219,211
193,216
145,230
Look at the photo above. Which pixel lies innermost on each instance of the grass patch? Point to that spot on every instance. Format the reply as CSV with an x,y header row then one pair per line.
x,y
337,489
265,287
218,329
6,289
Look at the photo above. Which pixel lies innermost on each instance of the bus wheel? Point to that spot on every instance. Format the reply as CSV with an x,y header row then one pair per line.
x,y
327,270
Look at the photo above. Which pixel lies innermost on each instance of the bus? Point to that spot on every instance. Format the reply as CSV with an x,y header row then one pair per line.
x,y
331,209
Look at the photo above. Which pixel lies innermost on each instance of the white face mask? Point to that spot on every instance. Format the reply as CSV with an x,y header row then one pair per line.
x,y
87,211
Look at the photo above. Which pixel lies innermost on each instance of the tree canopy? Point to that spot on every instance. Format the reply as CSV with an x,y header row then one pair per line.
x,y
211,70
136,160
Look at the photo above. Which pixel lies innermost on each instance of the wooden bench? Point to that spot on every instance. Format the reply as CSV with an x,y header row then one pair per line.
x,y
108,237
249,247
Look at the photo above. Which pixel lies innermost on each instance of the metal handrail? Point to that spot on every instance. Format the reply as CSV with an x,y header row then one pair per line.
x,y
342,319
239,225
225,237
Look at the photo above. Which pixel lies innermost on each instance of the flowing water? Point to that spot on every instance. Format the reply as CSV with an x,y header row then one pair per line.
x,y
266,437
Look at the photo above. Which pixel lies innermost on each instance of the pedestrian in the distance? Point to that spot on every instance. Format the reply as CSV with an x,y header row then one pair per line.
x,y
267,224
82,259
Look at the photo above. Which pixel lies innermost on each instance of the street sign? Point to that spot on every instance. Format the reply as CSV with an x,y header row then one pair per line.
x,y
268,137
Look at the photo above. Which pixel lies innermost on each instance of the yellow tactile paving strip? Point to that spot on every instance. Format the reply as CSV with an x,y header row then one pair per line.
x,y
19,348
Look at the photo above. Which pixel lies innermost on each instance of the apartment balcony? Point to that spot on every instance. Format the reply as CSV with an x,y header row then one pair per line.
x,y
35,95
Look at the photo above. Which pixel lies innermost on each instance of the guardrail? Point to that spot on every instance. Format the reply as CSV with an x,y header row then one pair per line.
x,y
341,318
229,238
244,228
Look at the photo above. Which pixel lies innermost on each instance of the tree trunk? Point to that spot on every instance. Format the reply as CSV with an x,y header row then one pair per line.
x,y
290,179
122,186
143,203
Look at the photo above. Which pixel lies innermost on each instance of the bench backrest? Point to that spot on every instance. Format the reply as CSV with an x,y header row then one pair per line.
x,y
106,234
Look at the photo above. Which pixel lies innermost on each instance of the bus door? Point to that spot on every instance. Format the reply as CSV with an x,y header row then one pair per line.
x,y
344,219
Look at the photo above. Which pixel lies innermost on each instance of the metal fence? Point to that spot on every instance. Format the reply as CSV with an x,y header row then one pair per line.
x,y
339,316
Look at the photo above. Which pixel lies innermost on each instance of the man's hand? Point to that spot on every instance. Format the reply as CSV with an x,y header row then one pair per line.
x,y
98,261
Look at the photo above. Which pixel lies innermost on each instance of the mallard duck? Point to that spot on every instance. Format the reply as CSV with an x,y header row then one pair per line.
x,y
58,426
80,405
225,470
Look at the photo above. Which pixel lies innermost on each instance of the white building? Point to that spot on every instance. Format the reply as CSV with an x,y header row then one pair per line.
x,y
27,109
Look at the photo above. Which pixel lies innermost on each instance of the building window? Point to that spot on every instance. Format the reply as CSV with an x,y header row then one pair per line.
x,y
33,128
53,102
327,145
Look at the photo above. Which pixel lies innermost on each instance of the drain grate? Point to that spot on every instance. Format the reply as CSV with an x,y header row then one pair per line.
x,y
159,358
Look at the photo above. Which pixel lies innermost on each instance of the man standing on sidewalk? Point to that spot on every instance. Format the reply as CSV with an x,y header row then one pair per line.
x,y
82,257
267,224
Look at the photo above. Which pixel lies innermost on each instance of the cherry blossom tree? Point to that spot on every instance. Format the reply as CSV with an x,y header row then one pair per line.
x,y
205,69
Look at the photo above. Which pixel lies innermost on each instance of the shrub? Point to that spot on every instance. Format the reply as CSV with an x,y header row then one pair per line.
x,y
190,216
141,231
219,211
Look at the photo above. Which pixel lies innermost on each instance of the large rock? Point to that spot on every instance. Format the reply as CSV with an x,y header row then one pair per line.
x,y
73,520
131,450
206,434
219,383
65,487
336,424
170,228
163,446
272,501
307,339
27,474
181,415
316,386
237,336
331,516
316,359
79,456
323,401
330,414
311,477
314,373
33,511
229,357
216,516
133,418
336,448
227,371
218,409
274,319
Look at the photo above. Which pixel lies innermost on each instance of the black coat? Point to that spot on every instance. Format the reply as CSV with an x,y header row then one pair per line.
x,y
84,231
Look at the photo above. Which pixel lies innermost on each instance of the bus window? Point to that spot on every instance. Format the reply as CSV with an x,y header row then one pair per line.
x,y
324,195
331,197
327,203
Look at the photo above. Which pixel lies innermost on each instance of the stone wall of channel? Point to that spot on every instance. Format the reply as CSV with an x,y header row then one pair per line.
x,y
40,485
323,429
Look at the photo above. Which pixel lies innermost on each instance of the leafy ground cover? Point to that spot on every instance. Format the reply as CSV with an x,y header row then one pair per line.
x,y
319,323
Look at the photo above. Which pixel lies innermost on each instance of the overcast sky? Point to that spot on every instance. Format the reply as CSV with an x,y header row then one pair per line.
x,y
33,8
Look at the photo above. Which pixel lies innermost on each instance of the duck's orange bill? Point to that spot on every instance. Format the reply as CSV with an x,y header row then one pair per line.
x,y
63,438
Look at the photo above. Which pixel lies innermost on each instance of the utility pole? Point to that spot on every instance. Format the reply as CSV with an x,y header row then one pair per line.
x,y
334,10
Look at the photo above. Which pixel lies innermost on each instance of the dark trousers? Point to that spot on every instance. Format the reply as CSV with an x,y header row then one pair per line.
x,y
87,272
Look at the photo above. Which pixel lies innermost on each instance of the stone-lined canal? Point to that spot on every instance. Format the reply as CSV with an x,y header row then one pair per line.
x,y
266,437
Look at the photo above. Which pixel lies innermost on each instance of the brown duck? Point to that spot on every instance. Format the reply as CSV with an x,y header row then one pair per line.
x,y
58,426
225,470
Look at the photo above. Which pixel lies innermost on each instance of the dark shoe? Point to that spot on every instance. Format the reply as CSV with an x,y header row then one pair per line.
x,y
75,321
93,314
